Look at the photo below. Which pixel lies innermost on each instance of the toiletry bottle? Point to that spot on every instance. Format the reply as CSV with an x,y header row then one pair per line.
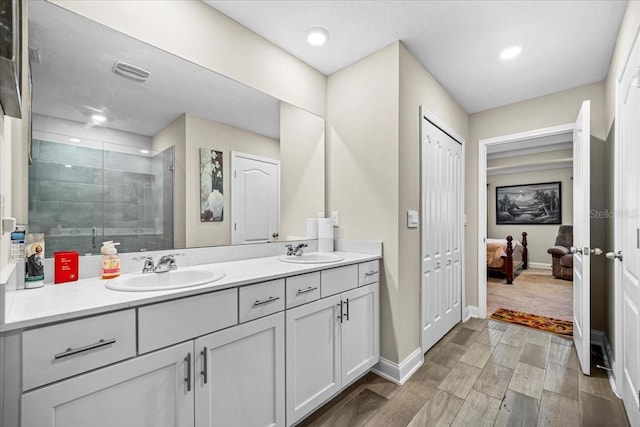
x,y
110,260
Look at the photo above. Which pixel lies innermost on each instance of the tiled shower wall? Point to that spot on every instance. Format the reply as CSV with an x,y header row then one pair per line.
x,y
128,198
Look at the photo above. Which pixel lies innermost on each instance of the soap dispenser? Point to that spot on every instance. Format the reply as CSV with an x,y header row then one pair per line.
x,y
110,260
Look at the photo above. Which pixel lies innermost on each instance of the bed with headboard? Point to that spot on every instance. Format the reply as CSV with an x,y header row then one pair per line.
x,y
507,256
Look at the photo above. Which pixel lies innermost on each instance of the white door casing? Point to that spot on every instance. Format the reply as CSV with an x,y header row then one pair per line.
x,y
255,198
442,213
581,237
627,237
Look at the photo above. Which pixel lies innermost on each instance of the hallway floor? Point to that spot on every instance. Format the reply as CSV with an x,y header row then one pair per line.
x,y
533,291
483,373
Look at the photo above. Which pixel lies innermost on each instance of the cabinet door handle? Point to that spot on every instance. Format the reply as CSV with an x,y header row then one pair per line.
x,y
370,273
347,313
265,301
340,315
188,377
309,289
205,366
71,351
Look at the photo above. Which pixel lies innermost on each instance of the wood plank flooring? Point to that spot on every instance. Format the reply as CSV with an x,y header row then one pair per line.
x,y
483,373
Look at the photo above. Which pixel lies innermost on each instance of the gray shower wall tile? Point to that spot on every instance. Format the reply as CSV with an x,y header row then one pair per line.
x,y
35,149
60,191
77,212
113,177
89,193
121,161
144,165
134,178
90,157
58,153
77,174
122,194
44,170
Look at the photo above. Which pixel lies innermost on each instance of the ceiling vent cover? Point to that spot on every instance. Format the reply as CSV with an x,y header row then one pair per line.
x,y
130,72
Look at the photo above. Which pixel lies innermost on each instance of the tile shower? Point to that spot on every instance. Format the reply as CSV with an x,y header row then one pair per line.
x,y
81,196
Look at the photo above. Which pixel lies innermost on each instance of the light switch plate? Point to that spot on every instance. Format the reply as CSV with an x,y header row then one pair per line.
x,y
412,219
335,218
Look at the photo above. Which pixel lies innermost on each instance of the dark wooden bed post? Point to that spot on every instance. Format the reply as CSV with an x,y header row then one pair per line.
x,y
508,261
525,252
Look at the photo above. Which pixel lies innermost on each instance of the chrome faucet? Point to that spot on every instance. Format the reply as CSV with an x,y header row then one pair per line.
x,y
298,250
148,263
167,263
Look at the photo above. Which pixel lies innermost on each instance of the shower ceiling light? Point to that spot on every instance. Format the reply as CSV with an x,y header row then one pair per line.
x,y
98,118
317,36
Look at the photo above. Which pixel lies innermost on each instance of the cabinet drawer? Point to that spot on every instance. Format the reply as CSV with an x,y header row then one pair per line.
x,y
261,300
338,280
368,272
161,325
66,349
303,289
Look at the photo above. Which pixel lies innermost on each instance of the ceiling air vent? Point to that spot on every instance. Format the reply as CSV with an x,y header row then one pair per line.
x,y
130,72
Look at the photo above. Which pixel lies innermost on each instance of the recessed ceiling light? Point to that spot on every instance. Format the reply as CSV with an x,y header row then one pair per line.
x,y
144,151
317,36
74,140
99,118
510,52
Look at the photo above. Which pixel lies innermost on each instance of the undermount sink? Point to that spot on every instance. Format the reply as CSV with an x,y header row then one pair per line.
x,y
311,258
163,281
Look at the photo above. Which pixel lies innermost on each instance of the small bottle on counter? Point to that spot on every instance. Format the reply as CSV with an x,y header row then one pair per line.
x,y
110,260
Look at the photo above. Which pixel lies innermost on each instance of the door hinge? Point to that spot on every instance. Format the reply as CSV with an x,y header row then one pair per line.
x,y
235,226
235,174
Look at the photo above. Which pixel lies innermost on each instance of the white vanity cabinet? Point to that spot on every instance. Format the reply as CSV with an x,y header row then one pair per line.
x,y
240,375
330,343
148,390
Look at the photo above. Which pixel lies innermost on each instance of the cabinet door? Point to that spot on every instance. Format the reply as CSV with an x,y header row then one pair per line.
x,y
240,375
150,390
360,332
313,356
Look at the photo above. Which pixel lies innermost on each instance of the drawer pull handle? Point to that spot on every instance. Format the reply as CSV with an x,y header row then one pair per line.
x,y
370,273
347,313
71,351
309,289
265,301
341,315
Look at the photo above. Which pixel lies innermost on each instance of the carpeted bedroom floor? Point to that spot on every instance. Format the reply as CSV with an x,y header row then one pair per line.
x,y
533,291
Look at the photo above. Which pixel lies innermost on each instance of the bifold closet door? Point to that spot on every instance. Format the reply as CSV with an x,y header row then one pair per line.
x,y
441,174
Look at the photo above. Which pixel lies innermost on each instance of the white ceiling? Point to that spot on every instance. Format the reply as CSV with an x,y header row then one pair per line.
x,y
74,80
565,44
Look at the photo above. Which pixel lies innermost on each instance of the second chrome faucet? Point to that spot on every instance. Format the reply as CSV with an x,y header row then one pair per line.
x,y
166,263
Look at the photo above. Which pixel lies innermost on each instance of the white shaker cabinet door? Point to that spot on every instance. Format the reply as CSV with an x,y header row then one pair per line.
x,y
360,332
240,375
313,356
152,390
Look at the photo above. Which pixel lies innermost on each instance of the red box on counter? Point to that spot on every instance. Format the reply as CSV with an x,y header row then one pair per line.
x,y
65,267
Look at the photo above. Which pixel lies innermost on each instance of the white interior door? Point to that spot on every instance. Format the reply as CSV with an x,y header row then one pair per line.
x,y
255,198
627,226
581,237
441,165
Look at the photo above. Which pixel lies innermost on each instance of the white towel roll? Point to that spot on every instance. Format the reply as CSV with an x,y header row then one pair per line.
x,y
325,235
312,228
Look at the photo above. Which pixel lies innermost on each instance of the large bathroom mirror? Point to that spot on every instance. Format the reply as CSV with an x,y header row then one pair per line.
x,y
135,145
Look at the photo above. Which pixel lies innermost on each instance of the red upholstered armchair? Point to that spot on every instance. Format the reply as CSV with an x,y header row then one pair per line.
x,y
561,257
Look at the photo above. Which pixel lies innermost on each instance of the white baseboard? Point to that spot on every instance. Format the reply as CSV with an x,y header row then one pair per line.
x,y
600,339
399,373
540,265
469,312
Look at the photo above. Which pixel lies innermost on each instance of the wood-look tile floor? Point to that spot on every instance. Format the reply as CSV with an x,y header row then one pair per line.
x,y
483,373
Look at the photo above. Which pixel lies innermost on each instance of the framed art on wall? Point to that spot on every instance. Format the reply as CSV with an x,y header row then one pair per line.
x,y
529,204
211,194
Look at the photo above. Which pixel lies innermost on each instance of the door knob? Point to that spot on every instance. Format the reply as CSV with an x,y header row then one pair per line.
x,y
614,255
575,250
596,251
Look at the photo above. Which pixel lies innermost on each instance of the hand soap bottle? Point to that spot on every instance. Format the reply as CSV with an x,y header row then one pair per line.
x,y
110,260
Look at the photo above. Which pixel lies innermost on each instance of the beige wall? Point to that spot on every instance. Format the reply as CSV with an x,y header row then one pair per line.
x,y
373,169
540,237
176,135
550,110
200,34
362,168
302,169
203,133
417,87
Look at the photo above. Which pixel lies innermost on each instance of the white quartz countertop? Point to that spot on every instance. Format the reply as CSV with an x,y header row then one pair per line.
x,y
54,303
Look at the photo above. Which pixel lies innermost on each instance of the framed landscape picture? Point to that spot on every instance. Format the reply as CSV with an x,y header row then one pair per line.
x,y
529,204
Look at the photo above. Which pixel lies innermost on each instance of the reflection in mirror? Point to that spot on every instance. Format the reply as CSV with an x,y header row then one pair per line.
x,y
118,128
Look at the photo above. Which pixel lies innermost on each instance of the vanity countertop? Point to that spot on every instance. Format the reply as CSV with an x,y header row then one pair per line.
x,y
54,303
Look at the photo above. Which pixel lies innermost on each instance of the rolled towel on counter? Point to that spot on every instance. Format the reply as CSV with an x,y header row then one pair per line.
x,y
325,235
312,228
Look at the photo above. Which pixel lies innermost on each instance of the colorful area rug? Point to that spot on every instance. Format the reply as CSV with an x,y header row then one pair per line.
x,y
548,324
